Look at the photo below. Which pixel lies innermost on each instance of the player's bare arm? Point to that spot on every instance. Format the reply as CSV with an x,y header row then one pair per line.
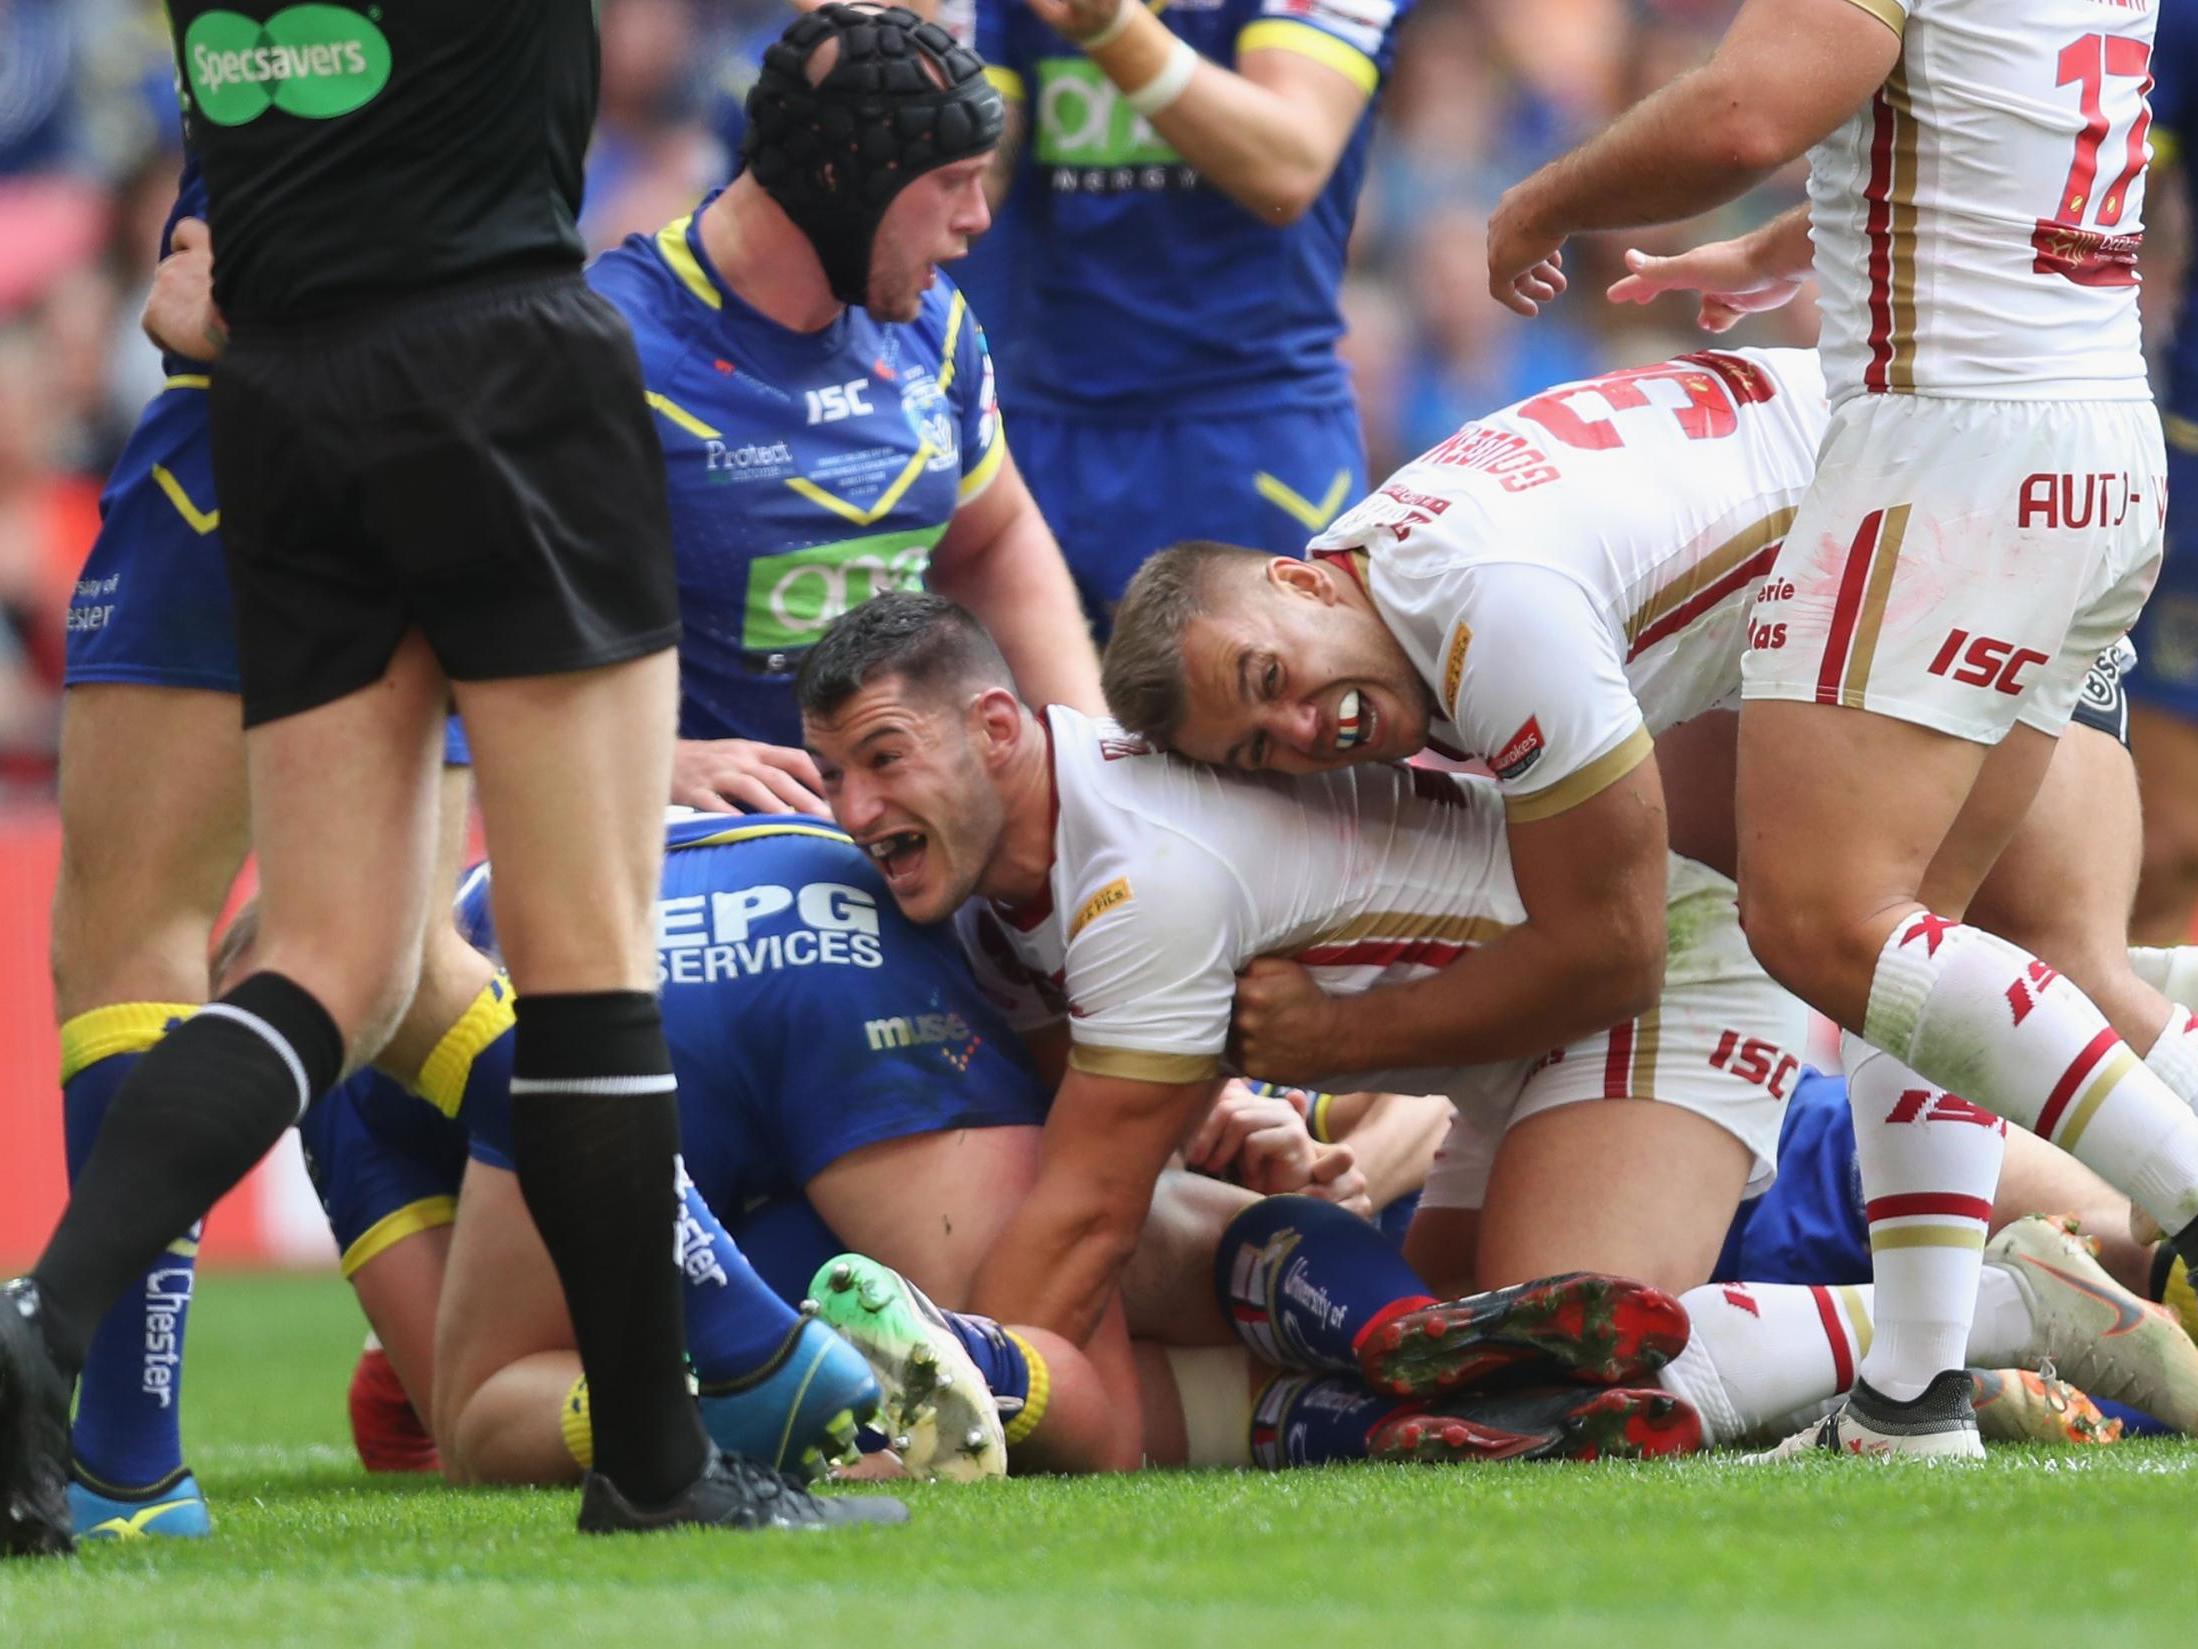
x,y
1267,135
1786,74
1060,1259
1589,956
999,559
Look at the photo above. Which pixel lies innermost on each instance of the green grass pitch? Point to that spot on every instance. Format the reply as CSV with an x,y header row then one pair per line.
x,y
2068,1548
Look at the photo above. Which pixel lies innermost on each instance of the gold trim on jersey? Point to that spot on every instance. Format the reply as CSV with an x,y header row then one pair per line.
x,y
1294,504
187,380
1287,34
449,1064
392,1229
1116,892
1888,12
1900,372
678,256
199,521
1140,1065
1884,556
1721,562
118,1028
681,416
1453,666
1589,782
1408,924
743,833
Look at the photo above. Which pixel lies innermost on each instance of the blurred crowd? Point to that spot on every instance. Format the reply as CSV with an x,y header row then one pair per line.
x,y
1484,91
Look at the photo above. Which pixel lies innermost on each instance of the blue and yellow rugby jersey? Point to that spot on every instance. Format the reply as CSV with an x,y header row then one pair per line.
x,y
808,471
1150,292
806,1016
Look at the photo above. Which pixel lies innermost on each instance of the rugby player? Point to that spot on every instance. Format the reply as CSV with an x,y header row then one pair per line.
x,y
1184,181
1125,889
1986,516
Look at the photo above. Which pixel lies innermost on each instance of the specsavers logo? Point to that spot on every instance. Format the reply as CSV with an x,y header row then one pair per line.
x,y
315,62
792,597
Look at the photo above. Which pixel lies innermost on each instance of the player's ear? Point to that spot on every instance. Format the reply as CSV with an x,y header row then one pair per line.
x,y
996,715
1309,579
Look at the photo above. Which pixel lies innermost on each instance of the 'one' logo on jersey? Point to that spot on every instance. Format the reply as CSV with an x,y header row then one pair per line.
x,y
314,61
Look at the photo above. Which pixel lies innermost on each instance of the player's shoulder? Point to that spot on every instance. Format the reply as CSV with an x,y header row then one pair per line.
x,y
1125,801
637,279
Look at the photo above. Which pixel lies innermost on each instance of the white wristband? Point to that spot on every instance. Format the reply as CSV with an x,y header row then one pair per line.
x,y
1166,86
1113,30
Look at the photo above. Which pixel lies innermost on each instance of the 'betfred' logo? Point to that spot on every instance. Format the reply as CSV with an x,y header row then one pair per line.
x,y
1520,751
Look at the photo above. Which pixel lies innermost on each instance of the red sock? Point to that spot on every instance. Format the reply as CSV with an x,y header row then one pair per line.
x,y
385,1427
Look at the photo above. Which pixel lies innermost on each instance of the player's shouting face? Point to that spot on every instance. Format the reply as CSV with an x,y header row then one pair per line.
x,y
911,776
1285,672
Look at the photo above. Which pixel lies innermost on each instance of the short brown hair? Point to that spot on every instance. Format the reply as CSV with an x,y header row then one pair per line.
x,y
1142,672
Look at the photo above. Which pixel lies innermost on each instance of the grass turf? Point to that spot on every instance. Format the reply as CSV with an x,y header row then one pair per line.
x,y
2068,1547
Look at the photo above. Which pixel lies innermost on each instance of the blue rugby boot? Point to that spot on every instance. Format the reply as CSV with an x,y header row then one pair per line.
x,y
798,1413
172,1509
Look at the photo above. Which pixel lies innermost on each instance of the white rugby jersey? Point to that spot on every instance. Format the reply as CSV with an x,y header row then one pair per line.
x,y
1977,221
1573,574
1169,876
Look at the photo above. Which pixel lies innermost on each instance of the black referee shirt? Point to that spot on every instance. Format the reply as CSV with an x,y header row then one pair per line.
x,y
357,153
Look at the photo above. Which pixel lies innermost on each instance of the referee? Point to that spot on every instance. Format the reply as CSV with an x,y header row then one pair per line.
x,y
438,480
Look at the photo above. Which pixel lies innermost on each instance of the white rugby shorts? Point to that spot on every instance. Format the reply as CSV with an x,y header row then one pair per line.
x,y
1961,564
1723,1041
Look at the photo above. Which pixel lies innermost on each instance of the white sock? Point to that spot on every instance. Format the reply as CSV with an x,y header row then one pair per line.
x,y
1930,1162
1766,1359
2171,970
2173,1057
1986,1019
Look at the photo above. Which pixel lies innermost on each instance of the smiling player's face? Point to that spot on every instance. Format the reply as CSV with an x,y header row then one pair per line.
x,y
930,222
1284,677
906,777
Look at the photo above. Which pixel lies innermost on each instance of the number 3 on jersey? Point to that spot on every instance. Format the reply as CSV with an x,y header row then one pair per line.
x,y
2070,243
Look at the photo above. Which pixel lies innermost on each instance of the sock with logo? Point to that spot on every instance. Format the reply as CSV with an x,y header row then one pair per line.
x,y
1013,1368
1930,1163
1305,1281
2173,1056
735,1324
1987,1020
1312,1419
1766,1359
595,1126
126,1434
198,1111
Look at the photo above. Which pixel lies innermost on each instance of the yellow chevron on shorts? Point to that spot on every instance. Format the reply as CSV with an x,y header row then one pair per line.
x,y
886,500
682,417
1307,514
199,521
119,1028
442,1079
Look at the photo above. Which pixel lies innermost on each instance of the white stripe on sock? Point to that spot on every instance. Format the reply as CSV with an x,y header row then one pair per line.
x,y
611,1085
272,1037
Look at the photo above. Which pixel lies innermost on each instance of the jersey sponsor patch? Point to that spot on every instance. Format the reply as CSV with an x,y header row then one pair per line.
x,y
1116,892
1453,666
1520,751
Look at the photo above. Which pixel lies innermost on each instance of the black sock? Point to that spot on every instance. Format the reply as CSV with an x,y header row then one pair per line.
x,y
2163,1267
199,1110
595,1129
2185,1243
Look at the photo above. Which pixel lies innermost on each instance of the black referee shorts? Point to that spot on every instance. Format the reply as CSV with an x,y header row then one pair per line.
x,y
477,462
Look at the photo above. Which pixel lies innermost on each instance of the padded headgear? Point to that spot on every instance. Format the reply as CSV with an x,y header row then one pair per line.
x,y
901,99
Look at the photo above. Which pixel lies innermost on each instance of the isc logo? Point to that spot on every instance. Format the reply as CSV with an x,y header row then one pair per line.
x,y
836,401
1984,661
